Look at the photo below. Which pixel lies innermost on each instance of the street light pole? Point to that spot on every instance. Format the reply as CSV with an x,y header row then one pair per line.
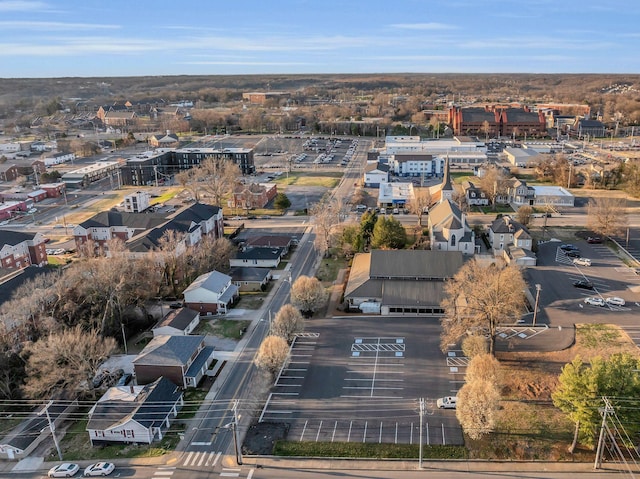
x,y
535,310
236,439
422,407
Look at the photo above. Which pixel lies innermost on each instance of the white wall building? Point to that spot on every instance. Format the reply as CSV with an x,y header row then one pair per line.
x,y
395,194
137,202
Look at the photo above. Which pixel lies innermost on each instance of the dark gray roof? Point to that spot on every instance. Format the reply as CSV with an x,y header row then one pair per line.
x,y
202,210
151,406
178,318
506,224
259,253
167,350
518,115
446,179
478,115
120,218
150,240
269,241
414,264
29,430
13,238
199,362
249,274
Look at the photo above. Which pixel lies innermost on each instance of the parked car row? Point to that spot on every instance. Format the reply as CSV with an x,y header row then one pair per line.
x,y
612,301
69,469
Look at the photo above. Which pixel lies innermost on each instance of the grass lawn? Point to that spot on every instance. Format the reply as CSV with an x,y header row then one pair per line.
x,y
529,426
226,328
329,267
326,179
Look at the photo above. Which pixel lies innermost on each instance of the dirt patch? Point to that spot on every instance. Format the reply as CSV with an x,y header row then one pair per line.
x,y
262,437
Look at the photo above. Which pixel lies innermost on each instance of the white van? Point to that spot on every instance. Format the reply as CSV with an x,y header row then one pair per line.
x,y
447,402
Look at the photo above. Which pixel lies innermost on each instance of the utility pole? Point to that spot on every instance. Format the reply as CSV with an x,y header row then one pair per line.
x,y
52,428
236,439
605,412
535,309
422,409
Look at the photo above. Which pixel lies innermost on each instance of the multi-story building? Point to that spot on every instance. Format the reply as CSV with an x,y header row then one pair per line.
x,y
19,249
497,121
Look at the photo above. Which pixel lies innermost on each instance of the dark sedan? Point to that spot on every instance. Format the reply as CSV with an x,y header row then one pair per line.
x,y
583,284
573,254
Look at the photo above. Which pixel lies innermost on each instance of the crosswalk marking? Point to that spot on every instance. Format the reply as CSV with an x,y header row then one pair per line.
x,y
188,459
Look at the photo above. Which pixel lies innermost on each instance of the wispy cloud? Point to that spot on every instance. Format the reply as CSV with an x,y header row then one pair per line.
x,y
242,62
22,6
54,26
424,26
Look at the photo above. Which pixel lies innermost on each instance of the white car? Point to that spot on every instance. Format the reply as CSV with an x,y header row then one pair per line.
x,y
447,402
616,301
582,261
594,301
99,469
66,469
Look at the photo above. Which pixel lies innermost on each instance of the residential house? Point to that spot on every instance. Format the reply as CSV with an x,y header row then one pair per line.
x,y
8,171
253,195
57,158
19,249
211,293
395,282
167,140
474,195
250,279
177,322
512,240
257,258
449,229
182,359
375,174
271,241
34,429
135,414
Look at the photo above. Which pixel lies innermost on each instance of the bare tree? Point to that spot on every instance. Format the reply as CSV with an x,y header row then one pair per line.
x,y
272,354
420,203
494,183
171,257
210,254
326,215
607,216
308,295
287,323
65,361
218,178
480,298
214,177
524,215
477,407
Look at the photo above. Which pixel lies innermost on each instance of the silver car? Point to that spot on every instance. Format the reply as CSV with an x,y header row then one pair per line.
x,y
66,469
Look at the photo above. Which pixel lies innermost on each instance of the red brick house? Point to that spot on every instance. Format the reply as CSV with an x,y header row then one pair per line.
x,y
19,249
253,195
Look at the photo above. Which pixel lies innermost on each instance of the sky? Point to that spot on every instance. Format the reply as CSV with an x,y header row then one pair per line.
x,y
89,38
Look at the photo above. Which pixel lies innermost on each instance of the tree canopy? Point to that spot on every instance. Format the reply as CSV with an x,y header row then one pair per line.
x,y
479,298
388,233
582,387
308,295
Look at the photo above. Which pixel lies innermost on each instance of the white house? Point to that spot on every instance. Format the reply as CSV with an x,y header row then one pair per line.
x,y
374,174
177,322
138,414
415,164
257,258
211,293
58,158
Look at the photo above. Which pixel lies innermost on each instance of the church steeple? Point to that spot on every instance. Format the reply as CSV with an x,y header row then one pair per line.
x,y
446,189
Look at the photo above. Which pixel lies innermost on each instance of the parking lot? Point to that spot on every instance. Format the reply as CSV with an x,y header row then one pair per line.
x,y
564,305
361,380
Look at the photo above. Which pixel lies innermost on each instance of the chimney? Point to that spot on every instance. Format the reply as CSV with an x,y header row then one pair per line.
x,y
131,390
168,132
